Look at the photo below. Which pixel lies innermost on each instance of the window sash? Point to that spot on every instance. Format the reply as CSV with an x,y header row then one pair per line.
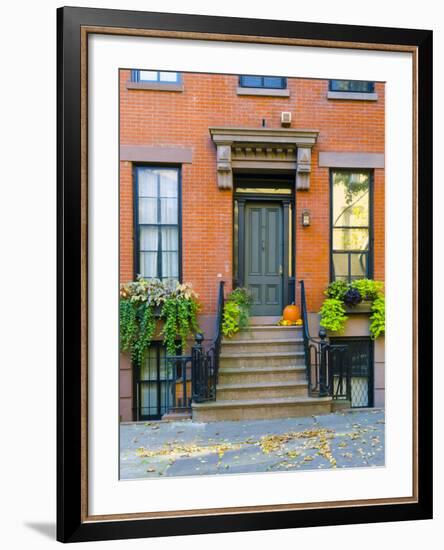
x,y
350,245
270,82
356,86
161,77
157,222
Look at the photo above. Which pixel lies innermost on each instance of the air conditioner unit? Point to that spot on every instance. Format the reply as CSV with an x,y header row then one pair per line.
x,y
285,118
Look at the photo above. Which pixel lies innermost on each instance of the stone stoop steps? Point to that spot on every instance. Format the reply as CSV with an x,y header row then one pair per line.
x,y
262,375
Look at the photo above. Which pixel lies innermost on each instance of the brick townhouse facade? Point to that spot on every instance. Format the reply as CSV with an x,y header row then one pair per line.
x,y
238,153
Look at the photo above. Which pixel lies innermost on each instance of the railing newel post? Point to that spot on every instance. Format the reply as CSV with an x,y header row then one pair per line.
x,y
323,351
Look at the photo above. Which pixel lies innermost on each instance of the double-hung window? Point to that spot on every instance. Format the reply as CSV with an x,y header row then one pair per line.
x,y
162,77
157,223
274,82
351,237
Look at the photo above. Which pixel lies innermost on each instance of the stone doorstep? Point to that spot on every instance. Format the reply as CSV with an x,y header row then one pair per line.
x,y
262,359
261,376
278,342
263,355
260,390
274,329
283,407
176,416
264,320
254,370
263,402
261,346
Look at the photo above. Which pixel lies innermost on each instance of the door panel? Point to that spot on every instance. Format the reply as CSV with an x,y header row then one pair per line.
x,y
264,256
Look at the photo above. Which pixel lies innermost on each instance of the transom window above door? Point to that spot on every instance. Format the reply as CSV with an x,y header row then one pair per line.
x,y
165,77
274,82
157,225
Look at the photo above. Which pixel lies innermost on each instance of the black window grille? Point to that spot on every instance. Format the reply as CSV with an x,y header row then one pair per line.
x,y
360,356
153,384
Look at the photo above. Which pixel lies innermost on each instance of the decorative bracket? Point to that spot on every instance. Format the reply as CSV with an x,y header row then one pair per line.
x,y
224,171
263,149
303,169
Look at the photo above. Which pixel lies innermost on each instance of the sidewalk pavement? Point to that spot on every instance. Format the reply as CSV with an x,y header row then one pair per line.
x,y
346,439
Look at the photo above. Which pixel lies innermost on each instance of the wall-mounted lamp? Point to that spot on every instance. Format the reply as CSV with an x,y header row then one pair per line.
x,y
305,218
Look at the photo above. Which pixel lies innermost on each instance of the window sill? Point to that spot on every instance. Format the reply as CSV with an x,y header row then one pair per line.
x,y
353,96
270,92
158,86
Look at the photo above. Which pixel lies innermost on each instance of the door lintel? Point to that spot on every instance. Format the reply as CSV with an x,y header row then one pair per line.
x,y
267,149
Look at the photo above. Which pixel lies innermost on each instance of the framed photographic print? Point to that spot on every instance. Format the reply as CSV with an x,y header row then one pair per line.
x,y
244,255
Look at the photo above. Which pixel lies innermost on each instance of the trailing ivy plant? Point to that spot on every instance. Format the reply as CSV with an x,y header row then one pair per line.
x,y
147,327
340,294
236,311
377,318
180,314
143,302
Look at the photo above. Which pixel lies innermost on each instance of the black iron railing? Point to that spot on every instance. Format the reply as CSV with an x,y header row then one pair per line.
x,y
327,365
194,377
180,371
205,363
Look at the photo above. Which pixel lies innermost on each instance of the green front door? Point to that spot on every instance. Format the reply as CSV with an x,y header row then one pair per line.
x,y
263,255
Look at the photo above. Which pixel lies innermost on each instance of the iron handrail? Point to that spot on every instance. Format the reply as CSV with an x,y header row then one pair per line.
x,y
205,363
327,365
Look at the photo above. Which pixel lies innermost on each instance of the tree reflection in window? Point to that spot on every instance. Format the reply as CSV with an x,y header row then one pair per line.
x,y
350,225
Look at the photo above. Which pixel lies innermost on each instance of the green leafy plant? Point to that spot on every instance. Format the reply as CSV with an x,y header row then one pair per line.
x,y
143,303
129,327
180,314
230,322
236,311
377,319
147,327
333,314
368,288
339,293
336,289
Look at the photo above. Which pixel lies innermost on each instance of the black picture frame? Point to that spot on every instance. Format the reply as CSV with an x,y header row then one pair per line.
x,y
71,523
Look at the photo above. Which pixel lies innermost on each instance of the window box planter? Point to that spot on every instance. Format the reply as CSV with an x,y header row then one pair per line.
x,y
363,307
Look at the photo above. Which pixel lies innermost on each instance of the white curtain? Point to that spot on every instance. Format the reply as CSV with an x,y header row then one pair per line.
x,y
147,210
149,237
168,211
147,182
169,239
148,265
170,265
168,183
158,185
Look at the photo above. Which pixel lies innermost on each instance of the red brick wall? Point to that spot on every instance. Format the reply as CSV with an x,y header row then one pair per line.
x,y
159,118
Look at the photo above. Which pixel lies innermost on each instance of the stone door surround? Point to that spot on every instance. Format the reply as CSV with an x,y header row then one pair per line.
x,y
263,149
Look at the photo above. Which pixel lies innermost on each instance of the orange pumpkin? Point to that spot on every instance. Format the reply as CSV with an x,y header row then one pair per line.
x,y
291,313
